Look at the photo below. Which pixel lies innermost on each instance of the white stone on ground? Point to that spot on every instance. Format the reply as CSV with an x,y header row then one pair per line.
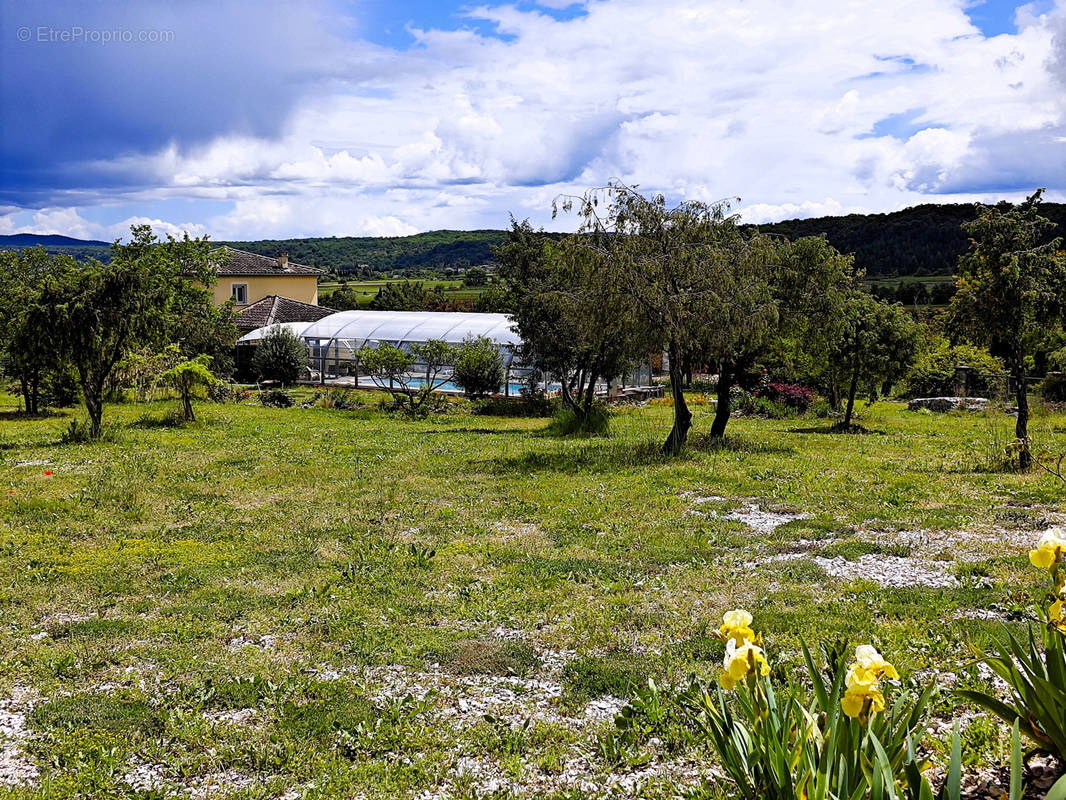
x,y
895,571
15,768
762,521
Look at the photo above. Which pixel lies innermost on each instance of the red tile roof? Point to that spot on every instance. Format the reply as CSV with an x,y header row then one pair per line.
x,y
238,262
275,308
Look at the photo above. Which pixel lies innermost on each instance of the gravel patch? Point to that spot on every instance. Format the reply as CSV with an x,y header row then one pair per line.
x,y
762,521
894,571
240,716
15,768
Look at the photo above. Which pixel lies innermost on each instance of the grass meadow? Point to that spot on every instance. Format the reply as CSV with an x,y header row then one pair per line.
x,y
306,602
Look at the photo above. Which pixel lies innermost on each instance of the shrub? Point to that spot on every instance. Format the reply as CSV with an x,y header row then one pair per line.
x,y
187,378
1053,388
276,398
222,392
281,356
791,395
934,371
337,398
528,404
478,368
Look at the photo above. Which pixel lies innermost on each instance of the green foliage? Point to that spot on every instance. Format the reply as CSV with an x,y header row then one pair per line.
x,y
186,378
410,376
574,323
142,370
281,356
276,398
784,743
478,368
875,343
1035,674
337,398
1053,388
29,346
925,239
104,711
366,254
527,404
143,297
567,422
400,296
615,674
475,276
1012,288
933,373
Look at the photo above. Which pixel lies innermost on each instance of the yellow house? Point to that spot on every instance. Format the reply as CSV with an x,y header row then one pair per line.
x,y
248,278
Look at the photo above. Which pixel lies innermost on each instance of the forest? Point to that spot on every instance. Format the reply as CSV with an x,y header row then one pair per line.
x,y
919,241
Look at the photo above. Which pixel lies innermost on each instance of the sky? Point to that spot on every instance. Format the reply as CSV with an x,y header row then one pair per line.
x,y
269,119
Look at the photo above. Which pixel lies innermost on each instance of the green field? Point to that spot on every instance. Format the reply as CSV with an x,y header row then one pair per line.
x,y
313,603
368,290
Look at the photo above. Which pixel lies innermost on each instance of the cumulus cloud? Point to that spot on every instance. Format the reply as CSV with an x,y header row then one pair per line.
x,y
779,102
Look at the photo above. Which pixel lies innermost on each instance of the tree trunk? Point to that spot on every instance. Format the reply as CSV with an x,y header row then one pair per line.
x,y
186,406
855,362
1021,427
94,404
724,406
590,397
568,397
834,392
35,395
28,402
682,416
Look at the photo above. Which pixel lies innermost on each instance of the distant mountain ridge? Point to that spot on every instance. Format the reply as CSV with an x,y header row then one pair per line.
x,y
46,240
921,240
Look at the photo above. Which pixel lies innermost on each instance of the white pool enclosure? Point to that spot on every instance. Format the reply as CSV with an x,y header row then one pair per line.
x,y
334,342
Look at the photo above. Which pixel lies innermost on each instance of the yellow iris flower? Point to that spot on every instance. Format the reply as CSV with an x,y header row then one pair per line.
x,y
863,682
1049,552
736,627
854,700
867,658
739,661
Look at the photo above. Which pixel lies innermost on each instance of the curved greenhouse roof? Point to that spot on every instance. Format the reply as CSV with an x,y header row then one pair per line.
x,y
412,326
261,333
355,328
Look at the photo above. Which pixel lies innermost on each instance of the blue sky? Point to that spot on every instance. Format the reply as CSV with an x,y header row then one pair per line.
x,y
367,117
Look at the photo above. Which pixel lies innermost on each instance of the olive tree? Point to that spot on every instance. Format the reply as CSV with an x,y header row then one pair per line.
x,y
139,298
410,376
876,342
30,350
700,284
1011,285
571,310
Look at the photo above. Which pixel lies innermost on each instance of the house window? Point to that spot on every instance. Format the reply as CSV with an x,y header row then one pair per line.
x,y
240,293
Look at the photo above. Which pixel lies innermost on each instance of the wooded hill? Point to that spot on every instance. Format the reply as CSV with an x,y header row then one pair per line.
x,y
922,240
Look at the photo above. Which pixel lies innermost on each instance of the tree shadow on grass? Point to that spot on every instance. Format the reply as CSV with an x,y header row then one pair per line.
x,y
838,427
705,443
482,431
599,454
17,415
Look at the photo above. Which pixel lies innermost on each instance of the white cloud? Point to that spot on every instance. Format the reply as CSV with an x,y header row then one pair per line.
x,y
773,100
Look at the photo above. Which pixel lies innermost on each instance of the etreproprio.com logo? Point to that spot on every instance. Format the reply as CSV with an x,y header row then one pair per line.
x,y
76,34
